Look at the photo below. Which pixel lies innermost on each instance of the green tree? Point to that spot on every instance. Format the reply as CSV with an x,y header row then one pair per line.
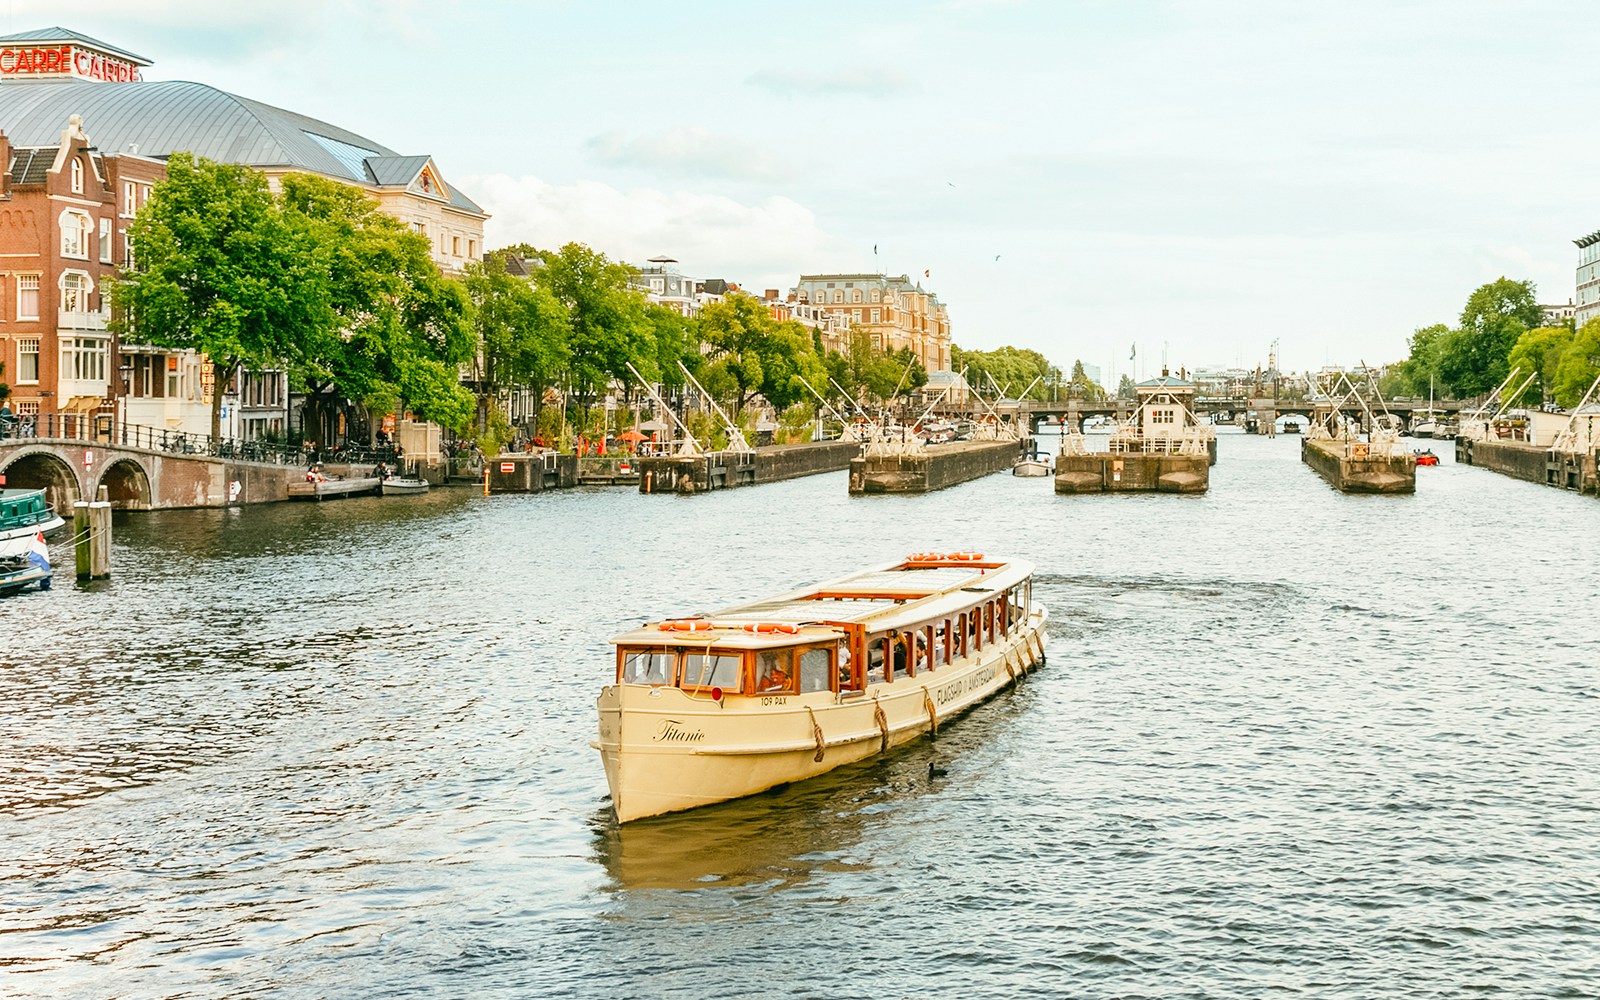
x,y
1126,389
1540,351
1082,386
522,331
1012,369
1420,371
610,328
223,270
403,329
748,353
1579,365
1472,357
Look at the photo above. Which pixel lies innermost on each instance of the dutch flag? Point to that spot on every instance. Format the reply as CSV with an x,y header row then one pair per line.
x,y
39,555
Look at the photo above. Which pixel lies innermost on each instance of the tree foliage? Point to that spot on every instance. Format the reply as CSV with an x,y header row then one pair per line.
x,y
222,269
609,325
1579,365
402,328
1539,351
522,331
1012,369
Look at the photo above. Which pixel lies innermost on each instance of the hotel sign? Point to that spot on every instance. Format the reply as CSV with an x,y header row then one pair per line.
x,y
65,61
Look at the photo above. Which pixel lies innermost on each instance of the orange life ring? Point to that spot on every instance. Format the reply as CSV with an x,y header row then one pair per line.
x,y
785,628
965,556
685,625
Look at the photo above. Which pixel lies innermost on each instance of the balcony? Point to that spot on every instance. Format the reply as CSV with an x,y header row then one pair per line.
x,y
75,321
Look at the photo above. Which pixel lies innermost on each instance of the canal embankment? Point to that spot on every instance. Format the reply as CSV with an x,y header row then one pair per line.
x,y
934,468
1533,463
1350,468
720,470
1134,472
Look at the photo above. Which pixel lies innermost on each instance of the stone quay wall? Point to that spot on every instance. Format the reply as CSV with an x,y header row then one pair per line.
x,y
942,465
725,470
1359,475
531,472
1133,472
1532,464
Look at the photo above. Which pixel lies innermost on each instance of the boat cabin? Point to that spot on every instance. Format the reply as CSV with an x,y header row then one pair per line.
x,y
844,636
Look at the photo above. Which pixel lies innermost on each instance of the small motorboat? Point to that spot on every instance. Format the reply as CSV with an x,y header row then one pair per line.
x,y
1427,458
1034,466
403,486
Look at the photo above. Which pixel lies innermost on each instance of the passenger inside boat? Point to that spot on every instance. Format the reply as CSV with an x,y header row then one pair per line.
x,y
770,675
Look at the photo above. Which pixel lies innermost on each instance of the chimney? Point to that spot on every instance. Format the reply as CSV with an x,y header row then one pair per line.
x,y
772,295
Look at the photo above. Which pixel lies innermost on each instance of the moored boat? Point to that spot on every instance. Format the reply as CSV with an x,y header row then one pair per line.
x,y
23,514
717,707
403,486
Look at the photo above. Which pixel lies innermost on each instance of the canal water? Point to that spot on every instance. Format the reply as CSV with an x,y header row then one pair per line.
x,y
1288,743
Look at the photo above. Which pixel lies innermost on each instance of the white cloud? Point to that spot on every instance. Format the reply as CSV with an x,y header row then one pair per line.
x,y
850,81
694,151
765,244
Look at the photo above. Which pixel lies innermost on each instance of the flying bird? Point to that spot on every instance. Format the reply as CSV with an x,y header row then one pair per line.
x,y
951,183
996,256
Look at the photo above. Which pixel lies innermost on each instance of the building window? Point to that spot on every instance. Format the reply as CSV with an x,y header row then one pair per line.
x,y
74,293
77,176
455,246
877,315
876,295
28,296
84,359
129,192
127,250
855,296
75,230
105,241
28,360
472,248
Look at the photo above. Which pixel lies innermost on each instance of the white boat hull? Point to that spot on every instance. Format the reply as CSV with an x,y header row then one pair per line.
x,y
667,750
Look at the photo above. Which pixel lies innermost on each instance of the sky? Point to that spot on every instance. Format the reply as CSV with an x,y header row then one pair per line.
x,y
1093,180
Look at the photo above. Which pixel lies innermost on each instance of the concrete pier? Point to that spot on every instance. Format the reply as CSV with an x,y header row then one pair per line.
x,y
1348,468
530,472
1532,463
1133,472
939,466
720,470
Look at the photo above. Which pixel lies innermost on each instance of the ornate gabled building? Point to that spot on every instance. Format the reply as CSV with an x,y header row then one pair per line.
x,y
895,313
67,202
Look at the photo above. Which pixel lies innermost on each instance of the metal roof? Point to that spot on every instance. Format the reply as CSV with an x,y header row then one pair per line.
x,y
1590,240
63,35
157,119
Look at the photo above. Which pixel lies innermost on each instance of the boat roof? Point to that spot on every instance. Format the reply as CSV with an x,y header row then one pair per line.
x,y
894,595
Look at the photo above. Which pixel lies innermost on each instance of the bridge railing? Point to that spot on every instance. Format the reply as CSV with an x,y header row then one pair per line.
x,y
100,428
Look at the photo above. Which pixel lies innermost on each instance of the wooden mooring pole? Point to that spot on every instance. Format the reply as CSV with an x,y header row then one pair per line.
x,y
91,525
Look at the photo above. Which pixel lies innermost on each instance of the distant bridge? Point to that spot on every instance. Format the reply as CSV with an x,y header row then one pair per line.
x,y
1258,410
142,468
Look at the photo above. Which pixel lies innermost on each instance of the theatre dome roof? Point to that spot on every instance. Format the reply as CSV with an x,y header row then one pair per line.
x,y
156,119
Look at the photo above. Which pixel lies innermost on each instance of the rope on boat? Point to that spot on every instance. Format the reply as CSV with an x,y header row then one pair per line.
x,y
883,724
933,715
816,732
1009,668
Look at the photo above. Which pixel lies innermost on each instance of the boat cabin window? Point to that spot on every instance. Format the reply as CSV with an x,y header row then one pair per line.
x,y
774,671
900,648
941,643
815,665
877,651
712,670
648,666
848,680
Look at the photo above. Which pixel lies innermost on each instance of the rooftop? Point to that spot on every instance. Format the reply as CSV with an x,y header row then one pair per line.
x,y
156,119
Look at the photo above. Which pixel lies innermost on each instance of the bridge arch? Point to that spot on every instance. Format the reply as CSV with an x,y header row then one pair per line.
x,y
127,485
42,469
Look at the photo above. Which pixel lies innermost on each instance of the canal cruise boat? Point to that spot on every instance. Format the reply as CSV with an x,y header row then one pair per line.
x,y
720,706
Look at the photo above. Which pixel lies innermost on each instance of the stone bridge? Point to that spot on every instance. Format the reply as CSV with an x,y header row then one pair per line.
x,y
72,468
